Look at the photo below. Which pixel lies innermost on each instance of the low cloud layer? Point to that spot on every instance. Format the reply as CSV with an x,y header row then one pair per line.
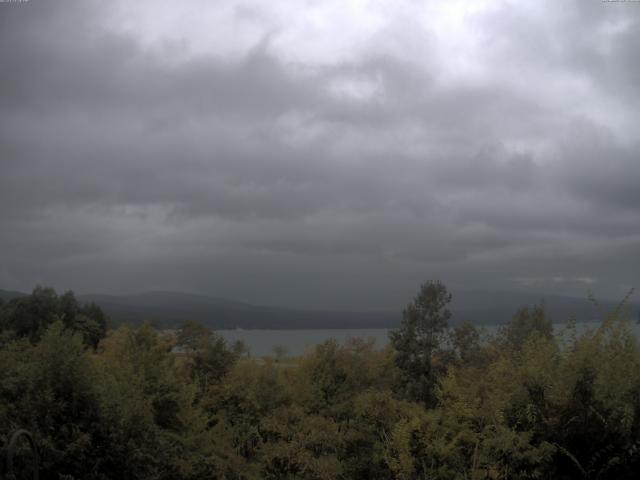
x,y
320,154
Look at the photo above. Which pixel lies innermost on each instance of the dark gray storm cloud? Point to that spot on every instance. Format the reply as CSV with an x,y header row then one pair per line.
x,y
320,154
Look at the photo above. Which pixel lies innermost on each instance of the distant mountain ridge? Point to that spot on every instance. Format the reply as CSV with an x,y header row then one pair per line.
x,y
498,307
172,308
9,294
169,309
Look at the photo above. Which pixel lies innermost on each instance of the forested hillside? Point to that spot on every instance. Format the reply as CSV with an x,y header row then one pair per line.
x,y
438,403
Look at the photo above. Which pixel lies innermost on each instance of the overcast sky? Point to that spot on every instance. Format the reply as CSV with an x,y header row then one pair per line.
x,y
320,153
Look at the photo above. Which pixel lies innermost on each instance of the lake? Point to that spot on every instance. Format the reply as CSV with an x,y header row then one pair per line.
x,y
297,342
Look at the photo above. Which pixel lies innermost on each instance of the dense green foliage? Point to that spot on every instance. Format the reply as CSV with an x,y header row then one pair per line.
x,y
30,316
438,403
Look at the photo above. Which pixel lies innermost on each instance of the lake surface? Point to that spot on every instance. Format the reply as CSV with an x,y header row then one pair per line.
x,y
297,342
